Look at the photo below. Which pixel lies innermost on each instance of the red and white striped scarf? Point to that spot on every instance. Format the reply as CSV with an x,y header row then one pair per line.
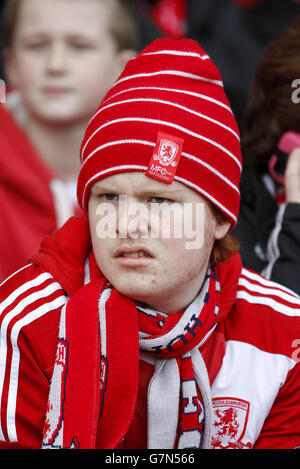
x,y
95,379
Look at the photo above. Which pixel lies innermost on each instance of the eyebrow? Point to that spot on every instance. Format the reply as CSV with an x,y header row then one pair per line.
x,y
39,34
168,192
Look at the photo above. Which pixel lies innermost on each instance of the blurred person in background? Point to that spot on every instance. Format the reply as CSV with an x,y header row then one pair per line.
x,y
269,220
60,57
235,34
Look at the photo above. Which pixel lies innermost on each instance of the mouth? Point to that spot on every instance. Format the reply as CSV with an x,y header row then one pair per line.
x,y
133,256
133,252
55,90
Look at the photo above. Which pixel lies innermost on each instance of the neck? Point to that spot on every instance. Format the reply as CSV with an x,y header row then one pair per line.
x,y
58,146
169,303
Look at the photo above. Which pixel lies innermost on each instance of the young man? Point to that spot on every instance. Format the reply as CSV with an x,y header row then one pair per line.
x,y
61,58
161,338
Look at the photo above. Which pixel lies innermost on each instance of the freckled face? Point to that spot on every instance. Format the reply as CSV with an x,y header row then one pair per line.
x,y
150,254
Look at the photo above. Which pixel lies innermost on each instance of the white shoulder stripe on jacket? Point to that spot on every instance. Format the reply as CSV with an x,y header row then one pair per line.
x,y
259,278
10,308
261,292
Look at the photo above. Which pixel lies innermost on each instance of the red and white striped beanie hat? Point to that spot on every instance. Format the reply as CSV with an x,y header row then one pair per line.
x,y
170,93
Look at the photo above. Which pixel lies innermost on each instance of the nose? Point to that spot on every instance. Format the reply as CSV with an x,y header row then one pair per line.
x,y
57,58
133,219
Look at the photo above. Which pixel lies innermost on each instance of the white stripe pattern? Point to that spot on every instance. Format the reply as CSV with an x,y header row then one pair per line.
x,y
262,300
168,103
168,124
25,302
187,155
176,178
207,195
22,289
128,167
14,373
102,318
187,318
267,288
172,73
12,275
268,291
177,52
273,251
269,283
213,170
173,90
152,144
117,142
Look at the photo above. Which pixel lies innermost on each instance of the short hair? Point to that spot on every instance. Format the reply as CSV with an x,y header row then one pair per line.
x,y
123,22
271,111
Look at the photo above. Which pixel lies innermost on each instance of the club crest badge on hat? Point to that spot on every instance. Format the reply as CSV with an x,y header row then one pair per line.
x,y
165,158
155,105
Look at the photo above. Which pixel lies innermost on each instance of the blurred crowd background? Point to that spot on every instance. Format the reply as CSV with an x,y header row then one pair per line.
x,y
233,32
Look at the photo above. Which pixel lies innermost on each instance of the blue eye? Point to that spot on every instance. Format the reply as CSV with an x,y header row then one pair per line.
x,y
110,197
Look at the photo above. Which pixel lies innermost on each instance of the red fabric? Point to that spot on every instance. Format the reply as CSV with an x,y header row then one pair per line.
x,y
136,437
170,16
83,370
278,422
27,209
81,399
212,351
34,376
62,257
132,427
258,324
26,202
181,95
122,383
80,396
131,430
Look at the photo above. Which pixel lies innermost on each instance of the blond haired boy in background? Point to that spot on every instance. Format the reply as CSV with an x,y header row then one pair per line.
x,y
61,57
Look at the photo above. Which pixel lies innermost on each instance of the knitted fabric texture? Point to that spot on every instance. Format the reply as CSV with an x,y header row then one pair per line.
x,y
173,88
179,402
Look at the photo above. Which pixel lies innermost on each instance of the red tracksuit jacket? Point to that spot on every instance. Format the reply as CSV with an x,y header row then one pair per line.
x,y
30,206
252,356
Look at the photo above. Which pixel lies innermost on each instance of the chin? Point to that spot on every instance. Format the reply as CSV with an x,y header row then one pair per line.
x,y
58,118
143,295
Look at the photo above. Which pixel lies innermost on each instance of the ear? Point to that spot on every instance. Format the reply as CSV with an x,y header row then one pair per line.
x,y
221,229
10,67
123,58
